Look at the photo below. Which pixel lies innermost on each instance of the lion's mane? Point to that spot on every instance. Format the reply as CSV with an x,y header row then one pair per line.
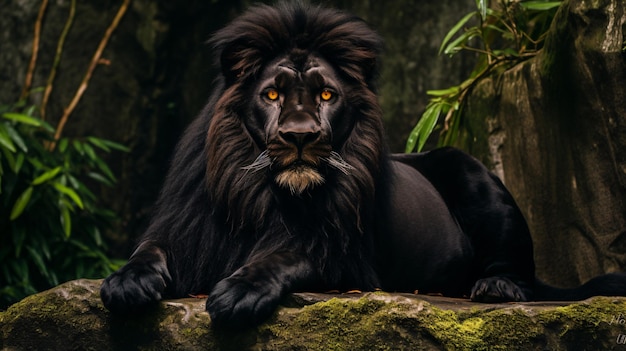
x,y
216,216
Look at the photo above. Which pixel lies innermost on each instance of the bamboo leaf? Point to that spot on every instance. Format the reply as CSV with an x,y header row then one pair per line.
x,y
97,236
91,153
41,244
15,136
19,162
53,279
5,139
424,127
429,125
100,178
11,160
453,131
30,110
47,176
450,91
47,127
482,6
73,182
70,193
458,43
39,262
63,143
36,163
105,169
79,147
115,146
66,221
495,28
98,143
455,29
65,201
20,203
540,5
22,118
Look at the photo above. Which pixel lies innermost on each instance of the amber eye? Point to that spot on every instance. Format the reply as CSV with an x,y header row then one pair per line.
x,y
272,94
326,95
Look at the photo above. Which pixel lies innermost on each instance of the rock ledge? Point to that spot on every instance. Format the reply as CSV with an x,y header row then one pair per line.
x,y
71,317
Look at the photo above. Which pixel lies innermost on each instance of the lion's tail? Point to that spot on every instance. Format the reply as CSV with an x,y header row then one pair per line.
x,y
613,284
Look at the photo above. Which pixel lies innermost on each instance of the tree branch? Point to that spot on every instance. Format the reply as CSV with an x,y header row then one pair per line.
x,y
57,60
33,58
92,65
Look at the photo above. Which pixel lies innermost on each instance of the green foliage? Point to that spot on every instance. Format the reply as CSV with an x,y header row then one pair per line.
x,y
50,221
508,32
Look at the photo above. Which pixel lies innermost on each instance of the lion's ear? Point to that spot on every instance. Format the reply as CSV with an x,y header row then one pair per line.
x,y
230,63
238,60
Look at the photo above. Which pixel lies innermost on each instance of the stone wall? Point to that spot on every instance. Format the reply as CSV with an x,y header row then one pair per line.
x,y
554,129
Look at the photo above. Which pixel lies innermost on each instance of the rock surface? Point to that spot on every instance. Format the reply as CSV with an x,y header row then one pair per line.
x,y
554,129
71,317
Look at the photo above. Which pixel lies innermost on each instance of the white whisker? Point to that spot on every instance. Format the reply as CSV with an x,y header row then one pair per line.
x,y
262,161
336,161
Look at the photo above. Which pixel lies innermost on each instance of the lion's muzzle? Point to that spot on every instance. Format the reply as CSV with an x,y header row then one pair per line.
x,y
299,128
303,146
299,139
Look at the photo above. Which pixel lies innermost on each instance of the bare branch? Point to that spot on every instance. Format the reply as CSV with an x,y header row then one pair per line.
x,y
57,60
33,58
94,62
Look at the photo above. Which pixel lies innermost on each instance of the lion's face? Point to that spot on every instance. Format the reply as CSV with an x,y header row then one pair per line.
x,y
298,116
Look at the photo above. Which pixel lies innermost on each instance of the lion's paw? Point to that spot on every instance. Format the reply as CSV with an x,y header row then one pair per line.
x,y
132,288
497,289
236,302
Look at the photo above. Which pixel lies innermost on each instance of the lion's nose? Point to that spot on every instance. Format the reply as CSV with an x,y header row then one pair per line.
x,y
299,138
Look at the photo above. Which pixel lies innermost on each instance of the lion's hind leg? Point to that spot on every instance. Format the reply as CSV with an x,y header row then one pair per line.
x,y
503,267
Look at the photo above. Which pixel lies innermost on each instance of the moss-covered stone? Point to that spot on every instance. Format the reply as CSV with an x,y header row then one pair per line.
x,y
71,317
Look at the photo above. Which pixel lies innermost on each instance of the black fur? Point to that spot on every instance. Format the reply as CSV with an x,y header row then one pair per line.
x,y
351,217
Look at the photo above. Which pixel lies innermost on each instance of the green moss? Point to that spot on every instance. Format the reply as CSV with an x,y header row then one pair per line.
x,y
451,331
587,325
371,323
376,321
512,327
336,324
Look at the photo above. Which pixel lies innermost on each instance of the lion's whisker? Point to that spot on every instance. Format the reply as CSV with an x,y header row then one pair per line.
x,y
262,161
336,161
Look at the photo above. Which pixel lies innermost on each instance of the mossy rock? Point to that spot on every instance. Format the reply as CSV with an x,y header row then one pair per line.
x,y
72,317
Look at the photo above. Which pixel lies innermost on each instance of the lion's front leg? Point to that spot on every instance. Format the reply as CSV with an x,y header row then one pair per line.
x,y
252,293
139,284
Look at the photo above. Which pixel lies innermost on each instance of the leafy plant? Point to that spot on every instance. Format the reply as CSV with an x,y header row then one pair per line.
x,y
50,222
509,32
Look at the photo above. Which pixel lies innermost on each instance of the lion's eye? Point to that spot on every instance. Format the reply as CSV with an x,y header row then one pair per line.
x,y
272,94
326,95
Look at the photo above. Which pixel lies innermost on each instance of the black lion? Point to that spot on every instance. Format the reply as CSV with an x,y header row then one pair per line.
x,y
283,183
